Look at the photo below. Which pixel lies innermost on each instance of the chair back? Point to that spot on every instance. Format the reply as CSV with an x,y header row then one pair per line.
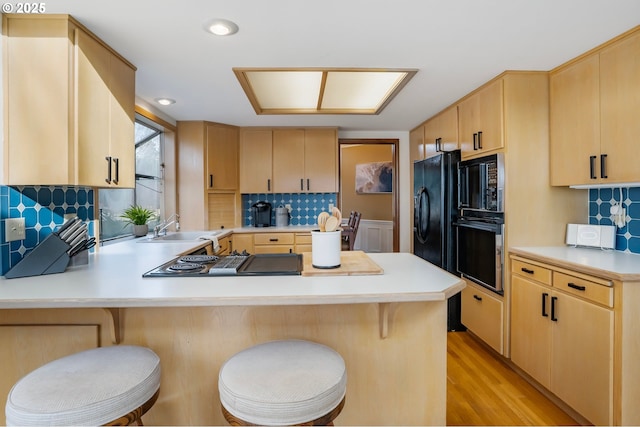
x,y
353,230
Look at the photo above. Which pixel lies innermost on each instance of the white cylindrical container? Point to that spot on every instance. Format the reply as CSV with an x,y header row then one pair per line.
x,y
325,248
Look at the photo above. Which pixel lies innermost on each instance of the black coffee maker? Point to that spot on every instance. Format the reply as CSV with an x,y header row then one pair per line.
x,y
261,213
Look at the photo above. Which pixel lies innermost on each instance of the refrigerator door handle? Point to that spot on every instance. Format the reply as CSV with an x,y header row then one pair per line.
x,y
422,212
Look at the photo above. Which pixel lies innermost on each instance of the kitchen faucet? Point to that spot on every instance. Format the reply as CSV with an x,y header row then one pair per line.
x,y
173,219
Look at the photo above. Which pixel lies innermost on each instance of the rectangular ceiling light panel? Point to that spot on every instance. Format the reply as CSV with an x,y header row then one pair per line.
x,y
357,90
321,90
285,89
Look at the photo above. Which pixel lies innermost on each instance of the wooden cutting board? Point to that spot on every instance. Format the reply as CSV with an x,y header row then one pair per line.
x,y
352,263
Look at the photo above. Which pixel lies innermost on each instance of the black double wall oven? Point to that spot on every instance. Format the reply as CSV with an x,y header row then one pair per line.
x,y
480,226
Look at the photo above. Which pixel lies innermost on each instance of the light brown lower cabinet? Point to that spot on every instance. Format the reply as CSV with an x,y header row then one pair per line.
x,y
272,243
482,314
562,335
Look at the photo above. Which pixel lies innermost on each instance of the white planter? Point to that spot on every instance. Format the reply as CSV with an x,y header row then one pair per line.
x,y
140,230
325,248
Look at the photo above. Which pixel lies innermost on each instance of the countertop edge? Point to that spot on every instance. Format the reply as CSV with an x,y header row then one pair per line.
x,y
582,268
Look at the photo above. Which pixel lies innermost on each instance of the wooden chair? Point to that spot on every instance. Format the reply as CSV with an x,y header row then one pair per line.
x,y
350,231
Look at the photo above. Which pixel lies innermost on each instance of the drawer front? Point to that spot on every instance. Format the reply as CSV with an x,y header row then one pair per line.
x,y
303,239
302,248
273,238
273,249
589,290
532,271
482,315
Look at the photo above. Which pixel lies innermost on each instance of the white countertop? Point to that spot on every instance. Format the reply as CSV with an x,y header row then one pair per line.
x,y
113,278
608,264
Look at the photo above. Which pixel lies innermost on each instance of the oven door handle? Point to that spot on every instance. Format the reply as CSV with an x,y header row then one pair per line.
x,y
479,225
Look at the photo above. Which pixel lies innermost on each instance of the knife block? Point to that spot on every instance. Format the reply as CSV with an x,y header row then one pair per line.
x,y
49,257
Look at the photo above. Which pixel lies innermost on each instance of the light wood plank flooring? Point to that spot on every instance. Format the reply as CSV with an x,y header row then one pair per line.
x,y
483,390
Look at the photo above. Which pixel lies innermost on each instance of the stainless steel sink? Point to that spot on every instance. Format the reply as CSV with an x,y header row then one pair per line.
x,y
180,236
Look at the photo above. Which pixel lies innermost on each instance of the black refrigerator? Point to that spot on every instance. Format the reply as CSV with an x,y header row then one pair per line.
x,y
435,191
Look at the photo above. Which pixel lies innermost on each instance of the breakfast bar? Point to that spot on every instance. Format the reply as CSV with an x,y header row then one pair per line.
x,y
390,328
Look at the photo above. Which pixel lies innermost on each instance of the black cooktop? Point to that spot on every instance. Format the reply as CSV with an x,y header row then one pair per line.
x,y
230,265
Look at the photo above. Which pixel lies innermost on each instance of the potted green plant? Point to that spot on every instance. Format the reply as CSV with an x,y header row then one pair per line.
x,y
139,217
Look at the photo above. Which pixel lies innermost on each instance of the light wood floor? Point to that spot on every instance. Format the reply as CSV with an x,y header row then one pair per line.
x,y
483,390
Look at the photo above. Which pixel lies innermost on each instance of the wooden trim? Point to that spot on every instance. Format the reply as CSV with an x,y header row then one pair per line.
x,y
149,115
596,49
114,325
72,20
396,182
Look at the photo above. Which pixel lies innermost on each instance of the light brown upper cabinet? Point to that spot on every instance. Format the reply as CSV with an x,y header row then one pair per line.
x,y
79,129
441,132
321,160
222,157
594,123
480,120
416,144
256,148
288,160
208,174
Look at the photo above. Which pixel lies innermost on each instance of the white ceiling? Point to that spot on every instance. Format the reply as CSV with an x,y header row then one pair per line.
x,y
456,44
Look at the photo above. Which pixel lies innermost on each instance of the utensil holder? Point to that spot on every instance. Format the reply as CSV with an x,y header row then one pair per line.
x,y
325,248
49,257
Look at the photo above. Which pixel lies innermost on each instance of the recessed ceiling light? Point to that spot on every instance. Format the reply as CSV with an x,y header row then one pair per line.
x,y
165,101
221,27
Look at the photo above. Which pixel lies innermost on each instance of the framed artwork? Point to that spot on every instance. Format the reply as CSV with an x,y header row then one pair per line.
x,y
375,177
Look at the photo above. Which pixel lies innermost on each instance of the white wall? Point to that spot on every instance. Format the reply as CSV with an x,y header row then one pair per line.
x,y
404,213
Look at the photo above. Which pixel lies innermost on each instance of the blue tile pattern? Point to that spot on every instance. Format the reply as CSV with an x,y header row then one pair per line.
x,y
305,207
43,208
600,202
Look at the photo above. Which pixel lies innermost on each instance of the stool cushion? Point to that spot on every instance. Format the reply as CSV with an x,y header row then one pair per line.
x,y
92,387
282,382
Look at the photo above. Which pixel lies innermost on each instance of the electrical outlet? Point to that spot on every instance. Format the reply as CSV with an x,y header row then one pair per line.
x,y
14,229
330,207
288,206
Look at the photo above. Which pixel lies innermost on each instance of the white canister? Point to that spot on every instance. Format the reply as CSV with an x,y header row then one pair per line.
x,y
325,248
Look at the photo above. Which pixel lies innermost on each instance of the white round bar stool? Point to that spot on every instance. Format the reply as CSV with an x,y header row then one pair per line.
x,y
102,386
290,382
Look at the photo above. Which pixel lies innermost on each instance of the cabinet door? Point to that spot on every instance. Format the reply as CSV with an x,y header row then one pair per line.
x,y
321,160
619,106
242,242
582,361
416,144
481,120
468,124
222,158
288,166
122,107
431,134
447,130
482,314
491,117
256,161
530,328
94,163
575,123
29,61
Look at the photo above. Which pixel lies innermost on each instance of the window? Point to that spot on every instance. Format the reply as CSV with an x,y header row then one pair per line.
x,y
148,193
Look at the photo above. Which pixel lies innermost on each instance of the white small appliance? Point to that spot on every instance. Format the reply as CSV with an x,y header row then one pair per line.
x,y
591,236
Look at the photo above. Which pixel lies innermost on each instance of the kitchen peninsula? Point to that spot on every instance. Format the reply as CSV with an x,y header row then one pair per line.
x,y
390,328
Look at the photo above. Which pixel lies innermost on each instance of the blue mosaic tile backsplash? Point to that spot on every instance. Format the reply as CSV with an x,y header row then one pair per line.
x,y
305,207
43,209
600,202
